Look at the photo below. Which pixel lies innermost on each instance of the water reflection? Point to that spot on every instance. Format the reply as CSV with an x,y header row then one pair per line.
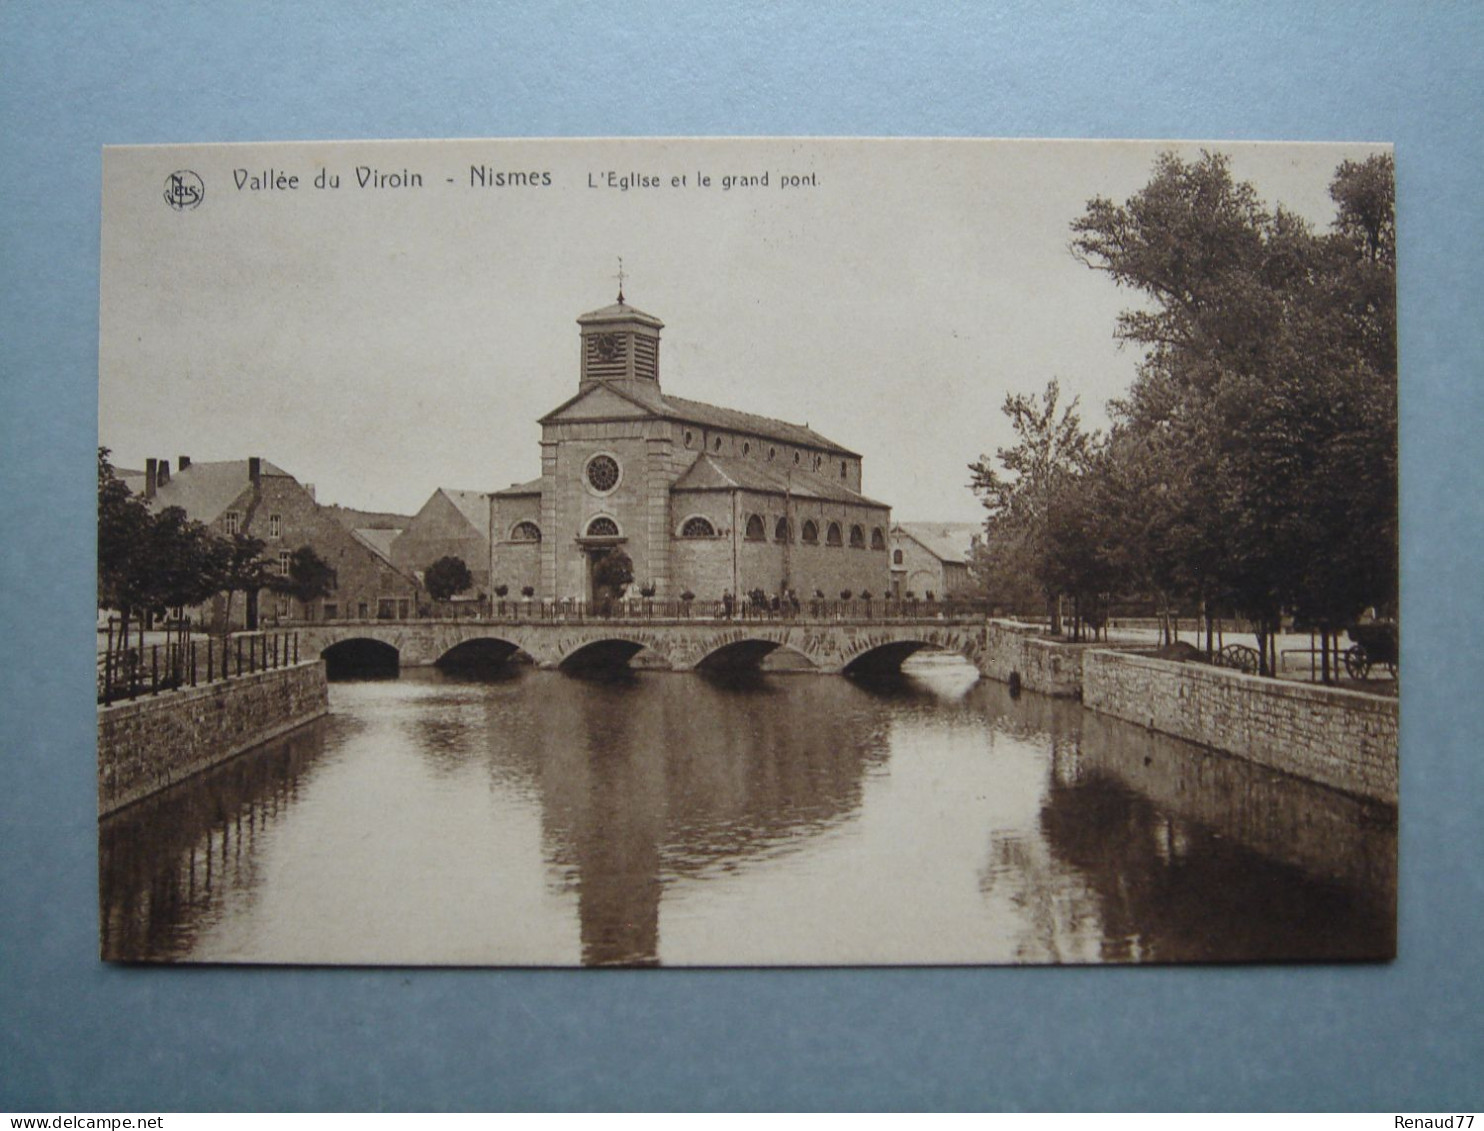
x,y
534,817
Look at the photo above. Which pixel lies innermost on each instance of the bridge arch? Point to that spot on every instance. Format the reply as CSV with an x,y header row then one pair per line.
x,y
604,653
877,656
361,657
480,652
747,653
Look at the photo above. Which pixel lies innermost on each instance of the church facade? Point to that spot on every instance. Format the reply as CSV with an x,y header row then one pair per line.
x,y
702,499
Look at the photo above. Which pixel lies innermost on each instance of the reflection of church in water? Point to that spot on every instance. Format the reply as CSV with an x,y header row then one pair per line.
x,y
701,498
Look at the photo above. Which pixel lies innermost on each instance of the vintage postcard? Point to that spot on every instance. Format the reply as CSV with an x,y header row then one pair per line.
x,y
675,552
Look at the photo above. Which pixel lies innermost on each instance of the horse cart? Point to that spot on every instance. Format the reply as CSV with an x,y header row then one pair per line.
x,y
1375,645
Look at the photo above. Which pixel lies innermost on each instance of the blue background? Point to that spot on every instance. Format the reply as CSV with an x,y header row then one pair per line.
x,y
75,1034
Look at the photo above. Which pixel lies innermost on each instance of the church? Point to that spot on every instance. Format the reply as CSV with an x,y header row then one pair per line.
x,y
702,499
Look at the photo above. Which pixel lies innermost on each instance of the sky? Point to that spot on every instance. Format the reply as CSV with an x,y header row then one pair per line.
x,y
380,341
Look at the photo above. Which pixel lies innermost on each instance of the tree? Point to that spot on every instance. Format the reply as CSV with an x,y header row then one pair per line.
x,y
309,577
1254,458
1031,478
247,572
613,571
446,577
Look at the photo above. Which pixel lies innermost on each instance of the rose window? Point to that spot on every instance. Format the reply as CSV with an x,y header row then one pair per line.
x,y
602,473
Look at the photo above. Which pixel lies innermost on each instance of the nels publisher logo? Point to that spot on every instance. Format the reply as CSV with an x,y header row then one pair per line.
x,y
184,190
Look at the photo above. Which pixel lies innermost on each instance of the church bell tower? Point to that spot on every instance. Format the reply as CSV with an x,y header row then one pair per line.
x,y
620,344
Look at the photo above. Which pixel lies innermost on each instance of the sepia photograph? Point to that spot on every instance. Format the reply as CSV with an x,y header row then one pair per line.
x,y
748,552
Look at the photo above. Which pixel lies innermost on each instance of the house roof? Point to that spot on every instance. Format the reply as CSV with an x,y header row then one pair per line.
x,y
716,473
204,490
473,505
947,541
377,540
649,398
529,487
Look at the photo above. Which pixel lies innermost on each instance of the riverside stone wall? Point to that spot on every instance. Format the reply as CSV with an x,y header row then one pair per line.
x,y
1344,739
153,742
1045,666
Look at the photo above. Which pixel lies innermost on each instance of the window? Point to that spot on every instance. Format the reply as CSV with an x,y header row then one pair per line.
x,y
755,528
332,610
716,444
602,528
842,469
525,532
878,539
275,526
896,557
810,532
781,531
690,438
363,610
818,462
746,448
832,535
771,453
285,559
857,537
602,473
697,527
234,522
797,457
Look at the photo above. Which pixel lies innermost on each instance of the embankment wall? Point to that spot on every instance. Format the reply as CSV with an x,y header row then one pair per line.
x,y
151,743
1344,739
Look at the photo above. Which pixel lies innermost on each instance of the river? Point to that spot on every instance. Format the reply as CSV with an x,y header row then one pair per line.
x,y
525,817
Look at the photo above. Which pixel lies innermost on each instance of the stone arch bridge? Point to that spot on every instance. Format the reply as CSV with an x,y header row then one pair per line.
x,y
681,645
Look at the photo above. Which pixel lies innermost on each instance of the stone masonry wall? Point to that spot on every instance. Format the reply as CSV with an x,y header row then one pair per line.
x,y
1044,666
151,743
1343,739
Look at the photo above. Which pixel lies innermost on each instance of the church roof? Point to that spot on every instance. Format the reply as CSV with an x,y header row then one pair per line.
x,y
204,490
648,397
529,487
947,541
619,312
713,473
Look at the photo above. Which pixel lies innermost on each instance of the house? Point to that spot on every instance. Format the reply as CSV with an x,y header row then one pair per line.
x,y
257,498
451,524
931,559
701,498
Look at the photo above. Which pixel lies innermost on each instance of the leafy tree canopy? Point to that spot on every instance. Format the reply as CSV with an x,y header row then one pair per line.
x,y
446,577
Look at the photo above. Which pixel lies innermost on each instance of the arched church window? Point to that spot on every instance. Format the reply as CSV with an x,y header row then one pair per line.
x,y
818,462
832,535
896,557
771,453
716,444
797,457
602,473
690,438
755,528
602,527
878,539
781,531
697,527
746,448
525,532
857,537
810,533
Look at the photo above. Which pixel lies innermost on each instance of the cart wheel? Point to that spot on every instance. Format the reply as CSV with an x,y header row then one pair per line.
x,y
1239,657
1357,663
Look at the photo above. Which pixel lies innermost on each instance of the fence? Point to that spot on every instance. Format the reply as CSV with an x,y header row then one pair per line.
x,y
873,610
148,669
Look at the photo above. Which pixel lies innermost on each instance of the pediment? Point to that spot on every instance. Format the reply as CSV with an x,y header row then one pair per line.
x,y
598,403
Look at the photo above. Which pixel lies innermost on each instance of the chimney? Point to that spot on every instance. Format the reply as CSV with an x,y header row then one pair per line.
x,y
255,470
163,475
182,463
150,468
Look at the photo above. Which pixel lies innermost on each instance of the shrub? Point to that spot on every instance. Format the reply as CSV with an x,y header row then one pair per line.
x,y
845,594
687,596
527,590
501,590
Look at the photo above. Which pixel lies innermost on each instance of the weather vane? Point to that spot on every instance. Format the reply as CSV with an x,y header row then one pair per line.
x,y
620,279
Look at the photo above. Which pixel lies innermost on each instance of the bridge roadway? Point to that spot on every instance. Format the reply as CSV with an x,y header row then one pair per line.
x,y
829,646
